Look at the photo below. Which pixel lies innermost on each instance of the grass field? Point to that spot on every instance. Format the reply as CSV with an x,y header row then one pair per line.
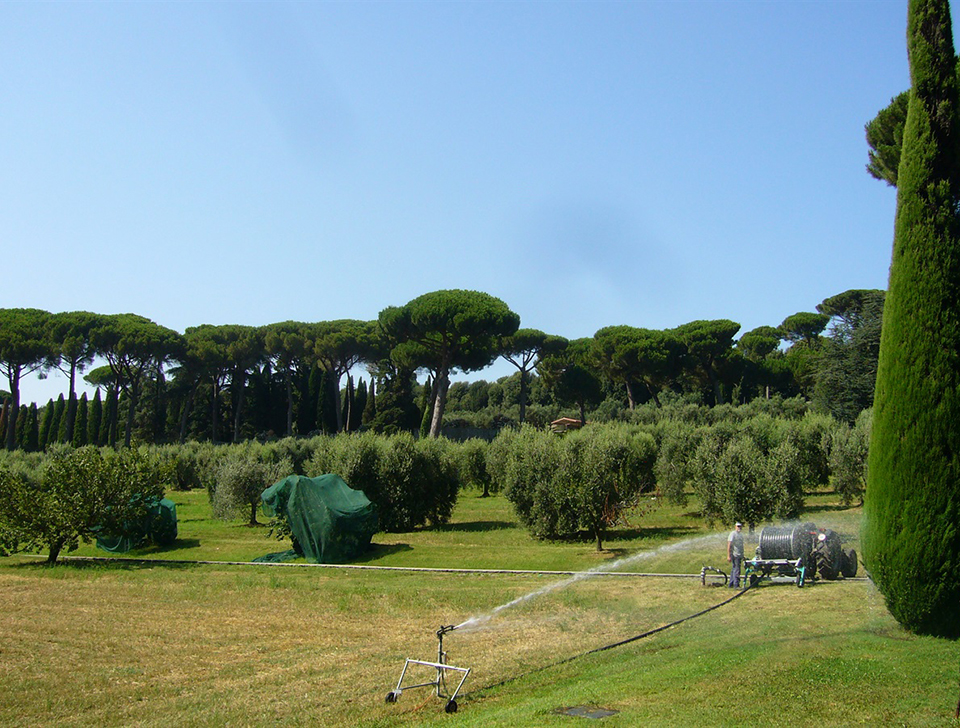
x,y
131,643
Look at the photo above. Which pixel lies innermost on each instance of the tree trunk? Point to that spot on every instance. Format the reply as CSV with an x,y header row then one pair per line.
x,y
523,398
238,409
215,411
335,378
442,384
653,394
55,548
288,382
253,514
630,399
185,414
131,414
599,539
72,407
14,410
113,416
717,389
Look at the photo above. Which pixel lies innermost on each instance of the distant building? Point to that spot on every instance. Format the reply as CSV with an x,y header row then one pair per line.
x,y
564,424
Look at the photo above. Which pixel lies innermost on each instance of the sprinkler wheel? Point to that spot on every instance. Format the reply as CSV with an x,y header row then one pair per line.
x,y
450,707
391,697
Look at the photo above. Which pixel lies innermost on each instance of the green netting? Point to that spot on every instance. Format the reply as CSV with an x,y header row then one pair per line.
x,y
330,521
158,525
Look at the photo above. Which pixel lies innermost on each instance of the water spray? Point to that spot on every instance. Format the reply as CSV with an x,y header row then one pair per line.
x,y
480,621
440,682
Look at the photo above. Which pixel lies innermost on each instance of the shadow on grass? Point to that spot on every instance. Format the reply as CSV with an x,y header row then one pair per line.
x,y
475,526
662,533
180,544
102,563
379,550
827,508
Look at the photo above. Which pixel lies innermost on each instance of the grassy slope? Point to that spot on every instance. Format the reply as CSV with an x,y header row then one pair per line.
x,y
209,645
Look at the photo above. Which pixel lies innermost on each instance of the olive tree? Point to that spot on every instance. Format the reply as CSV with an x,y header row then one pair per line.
x,y
80,495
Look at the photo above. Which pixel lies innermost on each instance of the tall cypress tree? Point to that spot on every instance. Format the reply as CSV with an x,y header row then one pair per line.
x,y
95,420
65,426
359,405
347,404
80,424
32,435
23,428
326,405
58,414
370,410
46,425
108,428
910,539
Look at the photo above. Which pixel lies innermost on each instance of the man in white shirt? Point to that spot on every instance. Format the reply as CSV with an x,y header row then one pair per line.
x,y
735,555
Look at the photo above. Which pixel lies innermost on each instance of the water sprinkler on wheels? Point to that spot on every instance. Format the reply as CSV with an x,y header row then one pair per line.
x,y
441,667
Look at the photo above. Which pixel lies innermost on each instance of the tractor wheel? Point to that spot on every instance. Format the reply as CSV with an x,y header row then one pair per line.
x,y
829,556
849,568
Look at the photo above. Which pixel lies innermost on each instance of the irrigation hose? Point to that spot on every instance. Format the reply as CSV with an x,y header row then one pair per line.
x,y
611,646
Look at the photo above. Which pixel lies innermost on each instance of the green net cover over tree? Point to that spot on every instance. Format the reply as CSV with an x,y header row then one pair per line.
x,y
159,525
330,521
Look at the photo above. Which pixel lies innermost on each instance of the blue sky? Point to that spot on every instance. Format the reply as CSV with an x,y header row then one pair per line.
x,y
590,163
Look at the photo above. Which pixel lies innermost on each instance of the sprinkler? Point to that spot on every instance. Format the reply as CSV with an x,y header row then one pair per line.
x,y
440,682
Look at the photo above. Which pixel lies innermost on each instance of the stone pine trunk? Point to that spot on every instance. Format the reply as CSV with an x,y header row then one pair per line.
x,y
911,534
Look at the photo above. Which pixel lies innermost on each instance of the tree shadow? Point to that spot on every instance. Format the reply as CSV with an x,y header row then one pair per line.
x,y
828,508
379,550
656,532
475,526
100,563
178,545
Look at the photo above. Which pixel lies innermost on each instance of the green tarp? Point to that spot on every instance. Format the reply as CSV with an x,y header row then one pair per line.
x,y
158,525
330,521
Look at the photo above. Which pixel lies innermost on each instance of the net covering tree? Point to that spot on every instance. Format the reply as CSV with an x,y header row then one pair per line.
x,y
911,535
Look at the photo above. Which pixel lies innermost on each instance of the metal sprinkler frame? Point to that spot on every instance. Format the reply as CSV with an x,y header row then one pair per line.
x,y
440,683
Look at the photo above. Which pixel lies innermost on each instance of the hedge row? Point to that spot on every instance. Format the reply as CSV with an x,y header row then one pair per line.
x,y
742,463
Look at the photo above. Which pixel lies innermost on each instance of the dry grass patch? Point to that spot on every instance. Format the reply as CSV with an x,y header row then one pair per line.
x,y
254,645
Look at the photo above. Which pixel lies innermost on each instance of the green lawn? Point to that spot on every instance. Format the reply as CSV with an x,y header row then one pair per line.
x,y
150,644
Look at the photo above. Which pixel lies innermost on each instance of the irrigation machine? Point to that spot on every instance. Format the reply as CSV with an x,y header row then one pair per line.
x,y
802,552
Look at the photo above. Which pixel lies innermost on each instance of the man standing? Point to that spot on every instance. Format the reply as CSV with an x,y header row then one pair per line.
x,y
735,555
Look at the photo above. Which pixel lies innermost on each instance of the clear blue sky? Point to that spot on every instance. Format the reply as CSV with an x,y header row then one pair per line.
x,y
590,163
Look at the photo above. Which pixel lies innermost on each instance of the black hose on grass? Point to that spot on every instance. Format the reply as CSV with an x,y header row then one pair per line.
x,y
648,633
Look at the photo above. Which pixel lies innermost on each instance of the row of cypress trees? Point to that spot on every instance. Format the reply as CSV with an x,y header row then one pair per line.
x,y
74,422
